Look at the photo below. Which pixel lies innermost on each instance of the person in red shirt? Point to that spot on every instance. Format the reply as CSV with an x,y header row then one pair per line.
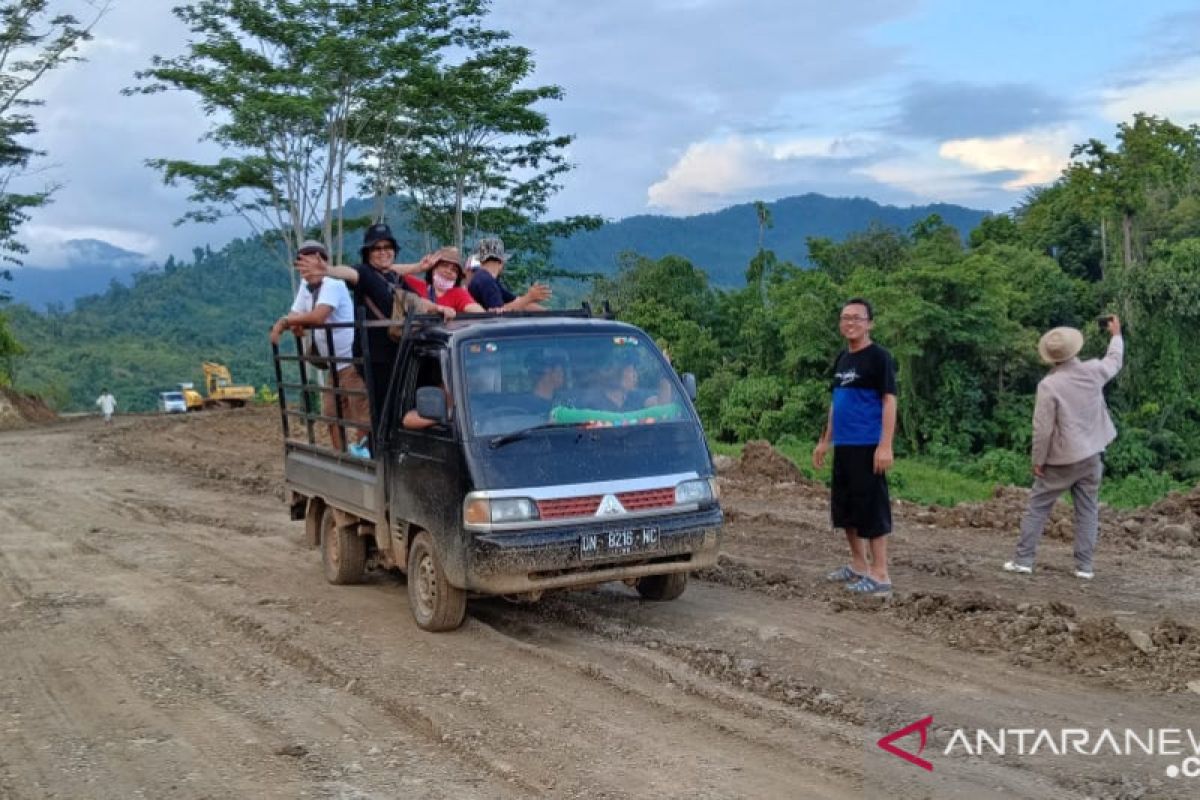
x,y
442,282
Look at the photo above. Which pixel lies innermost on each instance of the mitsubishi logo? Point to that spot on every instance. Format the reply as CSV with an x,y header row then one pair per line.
x,y
609,506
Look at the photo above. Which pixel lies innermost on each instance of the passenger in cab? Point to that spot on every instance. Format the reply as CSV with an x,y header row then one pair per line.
x,y
548,370
619,390
485,286
441,285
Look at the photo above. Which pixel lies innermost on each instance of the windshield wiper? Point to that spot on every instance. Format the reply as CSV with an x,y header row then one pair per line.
x,y
507,438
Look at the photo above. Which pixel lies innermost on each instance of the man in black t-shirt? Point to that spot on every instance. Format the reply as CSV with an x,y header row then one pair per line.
x,y
862,422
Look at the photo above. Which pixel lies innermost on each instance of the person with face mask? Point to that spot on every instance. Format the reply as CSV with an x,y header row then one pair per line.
x,y
441,284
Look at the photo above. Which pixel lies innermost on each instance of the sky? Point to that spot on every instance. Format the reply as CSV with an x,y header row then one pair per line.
x,y
685,106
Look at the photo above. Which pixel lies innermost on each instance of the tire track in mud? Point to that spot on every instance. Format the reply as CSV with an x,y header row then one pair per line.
x,y
732,670
746,713
304,660
194,679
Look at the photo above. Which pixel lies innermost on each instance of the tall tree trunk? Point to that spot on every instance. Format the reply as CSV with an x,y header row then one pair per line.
x,y
458,212
1103,245
1127,238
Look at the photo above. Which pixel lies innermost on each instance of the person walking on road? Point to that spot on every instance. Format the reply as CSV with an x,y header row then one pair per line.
x,y
107,404
861,424
1071,429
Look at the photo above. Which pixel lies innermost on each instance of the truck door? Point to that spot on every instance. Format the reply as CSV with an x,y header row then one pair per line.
x,y
426,473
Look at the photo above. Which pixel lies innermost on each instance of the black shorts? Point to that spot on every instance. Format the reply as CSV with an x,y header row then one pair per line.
x,y
859,498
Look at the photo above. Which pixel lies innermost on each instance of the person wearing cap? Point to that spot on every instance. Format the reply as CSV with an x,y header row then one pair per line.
x,y
322,299
441,285
485,286
1071,429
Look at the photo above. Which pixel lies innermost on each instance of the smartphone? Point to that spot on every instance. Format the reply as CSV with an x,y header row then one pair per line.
x,y
1103,322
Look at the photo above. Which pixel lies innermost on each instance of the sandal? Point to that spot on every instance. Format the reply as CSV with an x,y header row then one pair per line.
x,y
866,585
843,574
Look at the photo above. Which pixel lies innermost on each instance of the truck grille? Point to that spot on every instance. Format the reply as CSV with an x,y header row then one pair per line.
x,y
643,500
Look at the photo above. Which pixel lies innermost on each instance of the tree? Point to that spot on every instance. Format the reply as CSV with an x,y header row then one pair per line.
x,y
289,85
763,213
474,145
33,41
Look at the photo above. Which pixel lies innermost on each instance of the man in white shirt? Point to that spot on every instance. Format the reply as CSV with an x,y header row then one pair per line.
x,y
107,404
321,300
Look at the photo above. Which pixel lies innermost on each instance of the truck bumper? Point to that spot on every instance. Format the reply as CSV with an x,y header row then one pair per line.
x,y
569,556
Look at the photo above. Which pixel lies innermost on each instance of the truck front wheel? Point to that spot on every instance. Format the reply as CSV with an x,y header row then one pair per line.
x,y
662,587
435,604
343,551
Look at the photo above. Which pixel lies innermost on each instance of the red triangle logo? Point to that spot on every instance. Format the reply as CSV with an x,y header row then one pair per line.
x,y
921,726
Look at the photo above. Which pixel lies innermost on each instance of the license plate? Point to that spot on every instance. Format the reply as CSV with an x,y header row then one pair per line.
x,y
627,541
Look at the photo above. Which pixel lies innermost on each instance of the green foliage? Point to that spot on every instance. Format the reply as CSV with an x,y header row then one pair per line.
x,y
147,338
34,40
1139,489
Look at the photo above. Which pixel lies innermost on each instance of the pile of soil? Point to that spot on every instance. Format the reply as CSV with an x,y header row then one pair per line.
x,y
763,463
19,410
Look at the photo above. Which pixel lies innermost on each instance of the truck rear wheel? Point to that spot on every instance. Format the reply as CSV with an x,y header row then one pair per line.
x,y
435,604
662,587
343,552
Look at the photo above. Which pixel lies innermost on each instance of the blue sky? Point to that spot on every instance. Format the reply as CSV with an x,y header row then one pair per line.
x,y
685,106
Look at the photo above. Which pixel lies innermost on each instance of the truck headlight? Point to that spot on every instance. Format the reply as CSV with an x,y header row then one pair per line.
x,y
689,492
494,511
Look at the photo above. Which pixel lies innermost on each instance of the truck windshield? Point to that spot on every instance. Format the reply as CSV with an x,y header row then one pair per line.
x,y
586,380
176,396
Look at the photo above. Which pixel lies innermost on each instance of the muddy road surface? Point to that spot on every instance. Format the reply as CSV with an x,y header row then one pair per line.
x,y
165,633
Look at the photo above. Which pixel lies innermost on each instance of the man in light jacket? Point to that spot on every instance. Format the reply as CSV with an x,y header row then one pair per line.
x,y
1071,428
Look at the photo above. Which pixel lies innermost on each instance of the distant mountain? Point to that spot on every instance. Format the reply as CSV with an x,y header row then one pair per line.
x,y
723,242
87,266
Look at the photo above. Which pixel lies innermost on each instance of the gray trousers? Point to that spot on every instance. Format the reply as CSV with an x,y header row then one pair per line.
x,y
1083,479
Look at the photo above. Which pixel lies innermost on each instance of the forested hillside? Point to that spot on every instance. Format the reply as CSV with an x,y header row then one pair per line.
x,y
145,338
723,242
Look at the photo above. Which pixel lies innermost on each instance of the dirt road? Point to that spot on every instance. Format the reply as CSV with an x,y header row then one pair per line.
x,y
165,633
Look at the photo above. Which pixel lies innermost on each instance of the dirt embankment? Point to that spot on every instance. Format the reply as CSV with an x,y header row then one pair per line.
x,y
19,410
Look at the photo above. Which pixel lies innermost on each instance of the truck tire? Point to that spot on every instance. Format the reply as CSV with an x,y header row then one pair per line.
x,y
343,552
435,604
662,587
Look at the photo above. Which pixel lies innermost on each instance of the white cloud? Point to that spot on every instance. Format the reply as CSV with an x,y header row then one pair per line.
x,y
1037,156
1174,94
48,247
712,173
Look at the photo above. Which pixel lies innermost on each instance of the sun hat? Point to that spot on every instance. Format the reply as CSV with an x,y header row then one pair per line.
x,y
310,246
379,232
1060,344
448,254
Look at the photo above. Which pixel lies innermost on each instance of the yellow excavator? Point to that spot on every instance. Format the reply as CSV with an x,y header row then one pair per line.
x,y
219,390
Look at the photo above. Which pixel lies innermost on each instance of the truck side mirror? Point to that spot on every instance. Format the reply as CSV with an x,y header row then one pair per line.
x,y
689,385
431,403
